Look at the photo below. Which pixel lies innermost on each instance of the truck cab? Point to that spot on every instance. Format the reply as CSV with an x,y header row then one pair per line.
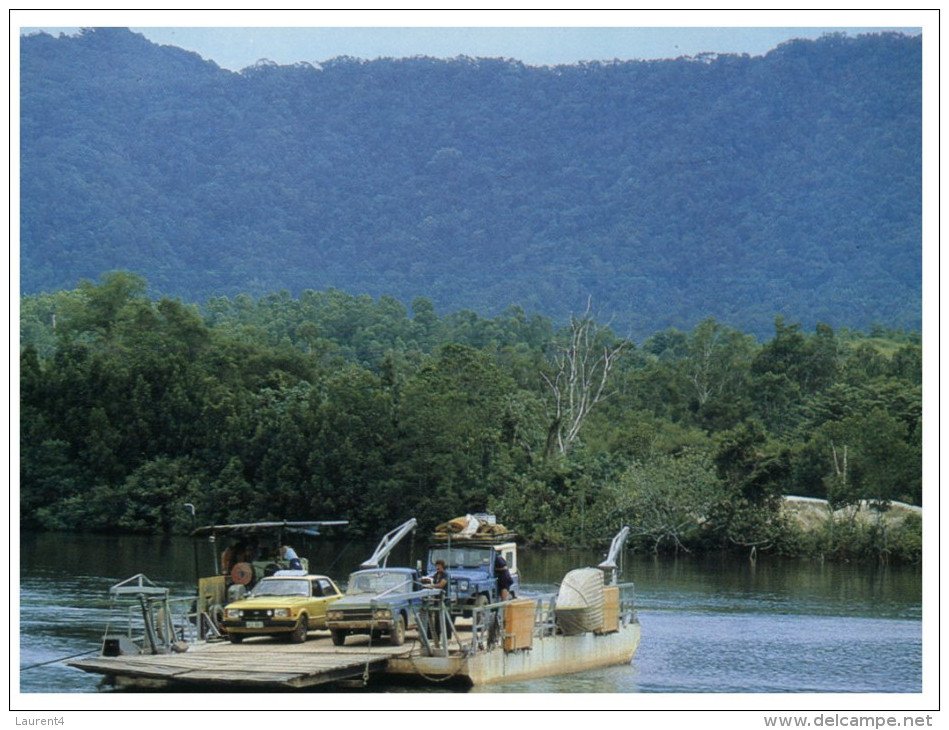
x,y
470,564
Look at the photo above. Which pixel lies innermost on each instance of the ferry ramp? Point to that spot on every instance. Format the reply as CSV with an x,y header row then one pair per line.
x,y
262,665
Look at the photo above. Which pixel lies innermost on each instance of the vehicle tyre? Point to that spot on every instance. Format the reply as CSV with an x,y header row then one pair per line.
x,y
298,635
235,638
397,635
339,636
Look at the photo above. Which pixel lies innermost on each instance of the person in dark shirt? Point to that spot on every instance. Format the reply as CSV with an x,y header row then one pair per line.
x,y
503,574
440,577
439,580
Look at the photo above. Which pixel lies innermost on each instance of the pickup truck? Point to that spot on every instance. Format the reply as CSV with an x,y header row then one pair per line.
x,y
378,602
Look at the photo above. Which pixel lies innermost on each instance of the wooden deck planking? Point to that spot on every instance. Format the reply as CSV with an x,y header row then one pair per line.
x,y
290,669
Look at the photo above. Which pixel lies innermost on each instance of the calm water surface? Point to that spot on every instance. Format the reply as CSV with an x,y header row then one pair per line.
x,y
709,625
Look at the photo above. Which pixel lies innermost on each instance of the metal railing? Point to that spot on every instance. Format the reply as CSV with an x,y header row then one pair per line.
x,y
488,629
156,625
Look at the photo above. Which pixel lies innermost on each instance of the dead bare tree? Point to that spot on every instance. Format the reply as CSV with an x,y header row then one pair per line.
x,y
581,370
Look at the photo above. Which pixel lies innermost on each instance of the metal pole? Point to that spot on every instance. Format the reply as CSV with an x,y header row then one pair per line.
x,y
444,628
149,626
194,546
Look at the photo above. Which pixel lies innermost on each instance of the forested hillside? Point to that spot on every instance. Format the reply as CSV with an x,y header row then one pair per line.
x,y
329,405
730,187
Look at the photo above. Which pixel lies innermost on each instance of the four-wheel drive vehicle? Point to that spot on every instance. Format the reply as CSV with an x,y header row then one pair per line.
x,y
470,563
290,602
378,601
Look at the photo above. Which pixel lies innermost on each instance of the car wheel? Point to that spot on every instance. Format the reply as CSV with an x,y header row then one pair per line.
x,y
298,635
339,636
397,635
235,638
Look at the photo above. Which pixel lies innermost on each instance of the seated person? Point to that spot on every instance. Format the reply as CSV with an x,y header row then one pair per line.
x,y
289,554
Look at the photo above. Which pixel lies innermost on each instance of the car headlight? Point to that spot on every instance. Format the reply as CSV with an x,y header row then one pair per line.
x,y
281,612
334,615
382,613
232,613
462,585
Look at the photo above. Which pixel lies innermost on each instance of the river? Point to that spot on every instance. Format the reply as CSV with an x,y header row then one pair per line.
x,y
710,625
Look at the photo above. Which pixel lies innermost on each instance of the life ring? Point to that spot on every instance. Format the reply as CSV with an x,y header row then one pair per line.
x,y
243,574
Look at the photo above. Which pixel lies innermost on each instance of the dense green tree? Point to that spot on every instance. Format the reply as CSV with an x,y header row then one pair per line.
x,y
450,420
100,310
755,474
562,501
353,452
667,501
153,495
881,464
328,405
907,364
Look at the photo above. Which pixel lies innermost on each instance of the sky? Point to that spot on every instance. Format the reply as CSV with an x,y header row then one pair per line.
x,y
235,40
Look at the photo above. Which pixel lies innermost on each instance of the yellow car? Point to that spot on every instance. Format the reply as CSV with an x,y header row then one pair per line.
x,y
289,602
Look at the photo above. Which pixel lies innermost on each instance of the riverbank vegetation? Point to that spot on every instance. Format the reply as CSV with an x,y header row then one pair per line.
x,y
333,406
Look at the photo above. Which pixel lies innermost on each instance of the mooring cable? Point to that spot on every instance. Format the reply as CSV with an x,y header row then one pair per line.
x,y
61,659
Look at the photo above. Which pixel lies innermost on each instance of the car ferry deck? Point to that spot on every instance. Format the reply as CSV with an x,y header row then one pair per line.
x,y
516,640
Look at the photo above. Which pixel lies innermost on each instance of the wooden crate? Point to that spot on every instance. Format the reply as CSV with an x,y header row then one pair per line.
x,y
519,624
211,591
610,610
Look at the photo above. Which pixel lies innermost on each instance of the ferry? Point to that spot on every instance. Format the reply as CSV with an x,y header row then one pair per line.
x,y
167,642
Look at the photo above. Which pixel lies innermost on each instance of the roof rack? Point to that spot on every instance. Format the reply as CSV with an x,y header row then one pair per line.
x,y
476,540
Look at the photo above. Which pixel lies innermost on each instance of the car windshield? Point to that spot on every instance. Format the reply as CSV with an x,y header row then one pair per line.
x,y
377,582
281,587
463,557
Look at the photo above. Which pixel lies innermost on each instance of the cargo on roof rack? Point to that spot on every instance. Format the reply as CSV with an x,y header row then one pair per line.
x,y
474,527
480,557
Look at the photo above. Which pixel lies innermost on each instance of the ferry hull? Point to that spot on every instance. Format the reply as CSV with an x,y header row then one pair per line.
x,y
266,665
548,656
